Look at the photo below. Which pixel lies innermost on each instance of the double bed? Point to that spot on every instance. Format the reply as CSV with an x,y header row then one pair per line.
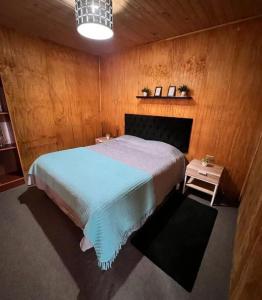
x,y
110,189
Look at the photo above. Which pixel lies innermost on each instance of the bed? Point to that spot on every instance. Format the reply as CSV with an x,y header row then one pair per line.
x,y
110,189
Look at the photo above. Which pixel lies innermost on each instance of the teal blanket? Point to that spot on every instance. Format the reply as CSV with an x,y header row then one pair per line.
x,y
111,198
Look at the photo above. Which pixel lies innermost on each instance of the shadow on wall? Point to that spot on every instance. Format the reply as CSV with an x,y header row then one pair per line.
x,y
227,185
65,237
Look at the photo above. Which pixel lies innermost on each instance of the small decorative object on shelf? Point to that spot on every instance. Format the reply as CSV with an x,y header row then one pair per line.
x,y
7,132
204,161
2,139
171,91
158,91
146,92
183,89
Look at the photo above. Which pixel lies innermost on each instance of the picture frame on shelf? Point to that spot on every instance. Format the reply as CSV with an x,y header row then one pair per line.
x,y
158,91
171,91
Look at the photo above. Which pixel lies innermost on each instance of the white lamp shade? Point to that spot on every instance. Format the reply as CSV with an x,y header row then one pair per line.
x,y
95,31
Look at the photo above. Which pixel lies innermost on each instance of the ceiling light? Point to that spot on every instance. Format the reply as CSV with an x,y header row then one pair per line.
x,y
94,18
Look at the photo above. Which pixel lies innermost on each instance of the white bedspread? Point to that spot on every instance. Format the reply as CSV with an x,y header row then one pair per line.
x,y
165,162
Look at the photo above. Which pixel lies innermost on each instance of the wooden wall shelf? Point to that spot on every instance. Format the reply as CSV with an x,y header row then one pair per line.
x,y
11,174
10,180
164,97
8,147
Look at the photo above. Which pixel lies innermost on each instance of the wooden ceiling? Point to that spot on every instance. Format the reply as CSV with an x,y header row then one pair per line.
x,y
136,22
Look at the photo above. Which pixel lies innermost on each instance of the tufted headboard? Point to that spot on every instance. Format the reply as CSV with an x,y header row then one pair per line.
x,y
173,131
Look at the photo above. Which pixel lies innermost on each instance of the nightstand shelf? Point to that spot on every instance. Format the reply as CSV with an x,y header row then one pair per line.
x,y
200,185
204,179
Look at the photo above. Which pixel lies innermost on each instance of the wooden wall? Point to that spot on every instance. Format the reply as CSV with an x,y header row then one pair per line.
x,y
52,92
247,262
223,69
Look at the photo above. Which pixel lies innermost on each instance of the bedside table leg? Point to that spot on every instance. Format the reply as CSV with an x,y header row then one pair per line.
x,y
184,186
214,195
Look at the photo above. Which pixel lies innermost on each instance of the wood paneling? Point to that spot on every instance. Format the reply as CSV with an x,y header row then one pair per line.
x,y
52,92
223,69
136,22
247,262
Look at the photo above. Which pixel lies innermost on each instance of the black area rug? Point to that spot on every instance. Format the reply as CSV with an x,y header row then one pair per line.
x,y
176,236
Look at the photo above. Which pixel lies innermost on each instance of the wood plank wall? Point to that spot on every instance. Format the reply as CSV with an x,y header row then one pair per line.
x,y
247,262
52,92
223,68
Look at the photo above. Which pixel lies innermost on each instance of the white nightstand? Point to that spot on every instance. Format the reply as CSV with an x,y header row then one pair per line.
x,y
103,139
204,179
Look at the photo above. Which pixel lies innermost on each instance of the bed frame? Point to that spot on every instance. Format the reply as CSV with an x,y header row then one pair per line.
x,y
170,130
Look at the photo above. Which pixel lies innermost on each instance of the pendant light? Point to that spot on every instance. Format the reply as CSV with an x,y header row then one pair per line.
x,y
94,18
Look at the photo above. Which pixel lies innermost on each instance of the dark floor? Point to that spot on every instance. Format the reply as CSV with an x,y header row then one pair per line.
x,y
40,258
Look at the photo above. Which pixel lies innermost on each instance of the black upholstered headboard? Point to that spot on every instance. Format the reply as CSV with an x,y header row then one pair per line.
x,y
173,131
